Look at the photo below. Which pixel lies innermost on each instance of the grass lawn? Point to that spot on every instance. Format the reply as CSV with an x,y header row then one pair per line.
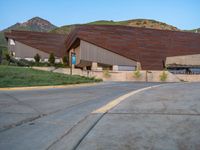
x,y
11,76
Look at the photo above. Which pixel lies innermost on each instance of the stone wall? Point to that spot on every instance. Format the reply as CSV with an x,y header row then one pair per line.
x,y
189,78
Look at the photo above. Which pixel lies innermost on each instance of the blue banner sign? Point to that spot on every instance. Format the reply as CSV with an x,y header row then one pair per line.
x,y
73,58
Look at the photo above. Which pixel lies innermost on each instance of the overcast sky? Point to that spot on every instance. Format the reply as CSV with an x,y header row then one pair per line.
x,y
184,14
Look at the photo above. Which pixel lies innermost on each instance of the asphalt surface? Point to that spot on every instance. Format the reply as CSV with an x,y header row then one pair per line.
x,y
161,118
54,118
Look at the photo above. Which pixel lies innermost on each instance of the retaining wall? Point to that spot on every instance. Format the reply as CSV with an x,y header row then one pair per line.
x,y
149,76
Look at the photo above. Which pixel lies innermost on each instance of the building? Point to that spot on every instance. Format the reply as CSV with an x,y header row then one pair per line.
x,y
26,44
123,47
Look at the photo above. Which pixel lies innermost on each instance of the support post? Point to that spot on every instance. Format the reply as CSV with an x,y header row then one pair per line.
x,y
94,66
73,61
115,68
146,75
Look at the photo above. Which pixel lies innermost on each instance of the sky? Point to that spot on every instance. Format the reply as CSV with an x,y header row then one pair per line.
x,y
184,14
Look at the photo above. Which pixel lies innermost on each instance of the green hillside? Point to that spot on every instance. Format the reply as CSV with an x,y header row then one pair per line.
x,y
134,23
39,24
195,30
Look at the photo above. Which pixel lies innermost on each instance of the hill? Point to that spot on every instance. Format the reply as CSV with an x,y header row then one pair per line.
x,y
41,25
134,23
34,24
194,30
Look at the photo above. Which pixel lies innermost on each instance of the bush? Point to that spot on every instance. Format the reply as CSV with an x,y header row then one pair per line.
x,y
4,51
4,62
16,62
138,23
7,57
144,22
137,74
37,58
106,73
163,76
1,56
59,65
51,59
65,60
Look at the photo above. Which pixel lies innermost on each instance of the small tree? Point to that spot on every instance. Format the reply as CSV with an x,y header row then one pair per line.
x,y
37,58
106,73
163,76
64,59
51,59
1,55
7,57
137,74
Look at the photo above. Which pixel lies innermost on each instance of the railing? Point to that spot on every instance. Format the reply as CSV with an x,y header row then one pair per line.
x,y
185,71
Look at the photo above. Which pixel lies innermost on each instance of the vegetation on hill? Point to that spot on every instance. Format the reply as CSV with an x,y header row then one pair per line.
x,y
194,30
34,24
2,41
19,77
64,29
39,24
145,23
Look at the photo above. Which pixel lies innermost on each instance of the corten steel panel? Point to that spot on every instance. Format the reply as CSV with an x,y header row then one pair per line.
x,y
47,42
148,46
93,53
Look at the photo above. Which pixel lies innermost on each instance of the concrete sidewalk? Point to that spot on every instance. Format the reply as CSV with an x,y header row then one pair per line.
x,y
162,118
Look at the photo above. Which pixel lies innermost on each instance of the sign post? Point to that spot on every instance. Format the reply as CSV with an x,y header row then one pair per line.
x,y
73,61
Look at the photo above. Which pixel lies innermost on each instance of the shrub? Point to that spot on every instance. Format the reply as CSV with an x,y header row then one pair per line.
x,y
37,58
59,65
1,55
65,60
106,73
138,23
144,22
163,76
4,62
137,74
51,59
7,57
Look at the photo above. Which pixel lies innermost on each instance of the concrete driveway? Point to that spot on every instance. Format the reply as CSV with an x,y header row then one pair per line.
x,y
162,118
54,118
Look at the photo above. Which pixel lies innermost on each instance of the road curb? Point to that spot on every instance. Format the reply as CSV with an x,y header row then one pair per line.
x,y
47,87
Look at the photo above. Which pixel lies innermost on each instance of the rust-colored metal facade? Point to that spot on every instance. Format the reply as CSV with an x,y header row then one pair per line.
x,y
150,47
46,42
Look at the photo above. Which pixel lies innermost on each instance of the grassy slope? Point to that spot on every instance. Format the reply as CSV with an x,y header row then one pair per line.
x,y
11,76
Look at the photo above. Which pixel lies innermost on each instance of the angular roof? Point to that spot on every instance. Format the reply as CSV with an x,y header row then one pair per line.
x,y
148,46
46,42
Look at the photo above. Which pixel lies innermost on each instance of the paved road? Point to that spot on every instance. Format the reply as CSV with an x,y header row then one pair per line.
x,y
44,119
162,118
